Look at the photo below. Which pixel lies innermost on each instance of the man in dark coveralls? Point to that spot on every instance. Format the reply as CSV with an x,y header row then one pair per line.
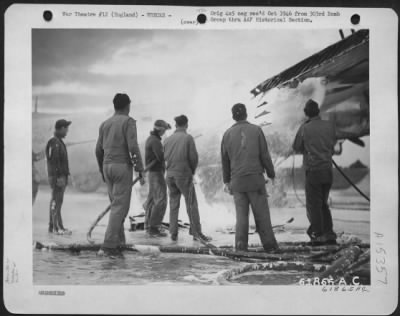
x,y
58,172
156,203
117,153
316,139
245,157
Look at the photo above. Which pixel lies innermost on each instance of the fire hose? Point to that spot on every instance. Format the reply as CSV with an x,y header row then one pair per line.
x,y
350,182
340,171
101,215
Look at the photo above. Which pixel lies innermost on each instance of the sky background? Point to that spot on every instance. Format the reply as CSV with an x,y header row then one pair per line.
x,y
167,73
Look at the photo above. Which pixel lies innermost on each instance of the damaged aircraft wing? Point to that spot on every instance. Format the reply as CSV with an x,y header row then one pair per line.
x,y
344,67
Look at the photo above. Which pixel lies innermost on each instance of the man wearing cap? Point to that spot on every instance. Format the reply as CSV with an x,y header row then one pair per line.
x,y
181,162
58,172
156,203
245,158
117,153
316,139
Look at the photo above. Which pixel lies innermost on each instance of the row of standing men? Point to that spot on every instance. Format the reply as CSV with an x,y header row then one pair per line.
x,y
245,158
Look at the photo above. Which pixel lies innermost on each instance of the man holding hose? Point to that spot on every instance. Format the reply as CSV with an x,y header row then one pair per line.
x,y
117,153
316,139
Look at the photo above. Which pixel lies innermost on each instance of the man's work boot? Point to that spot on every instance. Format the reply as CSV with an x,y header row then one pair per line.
x,y
54,231
65,231
156,232
112,253
316,241
329,239
241,246
271,247
202,237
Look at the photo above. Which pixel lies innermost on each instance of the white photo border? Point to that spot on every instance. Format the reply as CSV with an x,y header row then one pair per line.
x,y
23,297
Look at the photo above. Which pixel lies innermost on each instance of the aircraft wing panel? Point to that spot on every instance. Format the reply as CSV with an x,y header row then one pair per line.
x,y
342,56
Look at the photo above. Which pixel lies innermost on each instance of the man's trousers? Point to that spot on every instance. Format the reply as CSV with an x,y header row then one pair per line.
x,y
57,199
259,205
118,177
183,186
156,203
318,185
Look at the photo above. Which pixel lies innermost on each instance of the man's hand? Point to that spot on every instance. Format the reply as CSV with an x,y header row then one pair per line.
x,y
61,182
140,170
192,179
228,188
141,181
41,155
273,182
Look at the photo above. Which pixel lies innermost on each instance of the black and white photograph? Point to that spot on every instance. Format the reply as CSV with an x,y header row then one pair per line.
x,y
203,158
216,125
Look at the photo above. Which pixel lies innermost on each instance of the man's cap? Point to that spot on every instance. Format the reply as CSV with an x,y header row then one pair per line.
x,y
239,110
161,124
311,108
181,120
62,123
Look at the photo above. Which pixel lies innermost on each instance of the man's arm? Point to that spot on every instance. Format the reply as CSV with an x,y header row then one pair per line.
x,y
193,155
158,152
226,163
266,160
100,150
298,144
38,156
54,156
133,147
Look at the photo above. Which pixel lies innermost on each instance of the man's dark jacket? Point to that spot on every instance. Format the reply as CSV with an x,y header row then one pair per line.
x,y
316,139
245,157
154,152
57,158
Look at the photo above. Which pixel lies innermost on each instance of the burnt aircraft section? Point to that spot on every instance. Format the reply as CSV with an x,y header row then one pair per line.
x,y
344,70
